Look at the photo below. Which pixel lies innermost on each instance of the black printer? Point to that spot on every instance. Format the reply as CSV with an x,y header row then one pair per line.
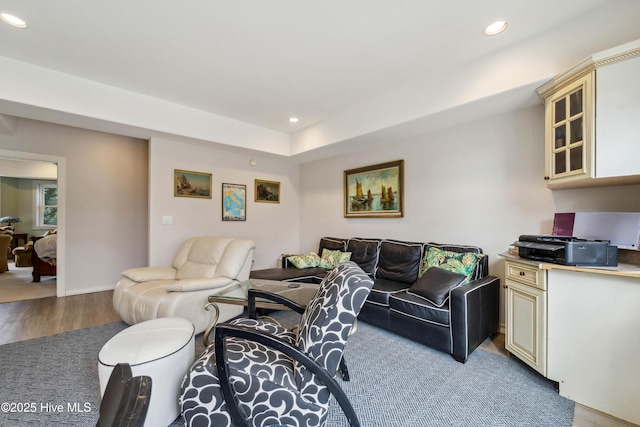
x,y
568,250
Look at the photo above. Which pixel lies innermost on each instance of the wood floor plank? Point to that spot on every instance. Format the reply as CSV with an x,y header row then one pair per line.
x,y
37,318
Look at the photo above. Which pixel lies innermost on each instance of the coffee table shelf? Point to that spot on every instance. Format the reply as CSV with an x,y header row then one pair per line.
x,y
300,293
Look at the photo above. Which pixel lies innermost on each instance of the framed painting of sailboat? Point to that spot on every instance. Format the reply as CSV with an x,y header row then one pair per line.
x,y
374,191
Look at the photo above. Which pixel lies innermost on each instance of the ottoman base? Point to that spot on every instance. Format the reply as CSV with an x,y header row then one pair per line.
x,y
162,349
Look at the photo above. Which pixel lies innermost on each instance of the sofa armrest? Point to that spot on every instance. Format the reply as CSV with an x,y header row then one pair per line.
x,y
145,274
193,285
286,263
475,314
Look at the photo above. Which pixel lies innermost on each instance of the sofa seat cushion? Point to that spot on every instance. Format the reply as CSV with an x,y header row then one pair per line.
x,y
383,289
290,274
419,308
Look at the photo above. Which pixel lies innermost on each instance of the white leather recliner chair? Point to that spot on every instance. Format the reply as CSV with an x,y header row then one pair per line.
x,y
203,266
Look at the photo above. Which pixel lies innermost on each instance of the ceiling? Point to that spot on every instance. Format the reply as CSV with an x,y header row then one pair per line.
x,y
355,72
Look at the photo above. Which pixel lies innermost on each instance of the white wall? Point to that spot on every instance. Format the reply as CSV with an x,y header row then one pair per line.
x,y
273,227
105,199
480,184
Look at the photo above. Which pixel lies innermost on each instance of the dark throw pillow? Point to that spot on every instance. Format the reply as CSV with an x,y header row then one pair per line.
x,y
435,284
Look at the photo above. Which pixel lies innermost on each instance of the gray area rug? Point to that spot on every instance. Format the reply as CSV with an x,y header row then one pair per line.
x,y
394,383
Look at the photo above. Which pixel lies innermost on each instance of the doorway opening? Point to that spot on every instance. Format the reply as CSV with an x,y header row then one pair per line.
x,y
23,176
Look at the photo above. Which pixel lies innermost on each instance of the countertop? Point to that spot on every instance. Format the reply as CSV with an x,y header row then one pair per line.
x,y
623,269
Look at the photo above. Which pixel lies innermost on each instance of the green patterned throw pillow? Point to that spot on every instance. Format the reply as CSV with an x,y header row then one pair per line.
x,y
458,262
308,260
330,259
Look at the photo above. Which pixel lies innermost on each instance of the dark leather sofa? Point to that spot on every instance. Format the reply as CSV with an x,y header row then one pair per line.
x,y
464,321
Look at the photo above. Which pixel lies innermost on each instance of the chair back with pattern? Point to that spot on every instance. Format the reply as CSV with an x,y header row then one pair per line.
x,y
327,322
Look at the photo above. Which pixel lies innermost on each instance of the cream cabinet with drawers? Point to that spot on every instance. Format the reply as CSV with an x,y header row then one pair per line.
x,y
526,314
578,326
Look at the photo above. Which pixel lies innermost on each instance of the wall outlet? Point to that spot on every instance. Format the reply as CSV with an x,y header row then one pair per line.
x,y
167,219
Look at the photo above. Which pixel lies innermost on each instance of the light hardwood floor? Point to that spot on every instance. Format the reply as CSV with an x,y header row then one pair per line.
x,y
37,318
23,320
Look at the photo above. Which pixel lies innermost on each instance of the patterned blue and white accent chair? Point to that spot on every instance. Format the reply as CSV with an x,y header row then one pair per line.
x,y
259,373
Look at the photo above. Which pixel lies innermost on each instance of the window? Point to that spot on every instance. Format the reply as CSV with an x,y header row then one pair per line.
x,y
47,205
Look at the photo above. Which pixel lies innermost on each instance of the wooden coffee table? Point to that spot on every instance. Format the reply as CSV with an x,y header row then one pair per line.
x,y
299,293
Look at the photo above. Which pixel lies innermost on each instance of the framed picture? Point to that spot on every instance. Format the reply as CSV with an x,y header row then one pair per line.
x,y
374,191
234,202
267,191
192,184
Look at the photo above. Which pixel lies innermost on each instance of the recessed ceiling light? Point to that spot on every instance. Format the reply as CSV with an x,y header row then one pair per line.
x,y
495,28
13,20
294,119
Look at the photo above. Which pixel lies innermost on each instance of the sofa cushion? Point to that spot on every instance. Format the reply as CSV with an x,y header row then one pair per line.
x,y
458,262
383,289
364,252
482,267
435,285
307,260
419,308
333,243
330,259
399,261
453,248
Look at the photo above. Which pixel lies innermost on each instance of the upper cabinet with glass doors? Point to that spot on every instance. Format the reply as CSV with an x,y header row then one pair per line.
x,y
592,121
570,135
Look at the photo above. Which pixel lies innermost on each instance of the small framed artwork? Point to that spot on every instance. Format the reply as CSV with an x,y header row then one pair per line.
x,y
234,202
192,184
374,191
267,191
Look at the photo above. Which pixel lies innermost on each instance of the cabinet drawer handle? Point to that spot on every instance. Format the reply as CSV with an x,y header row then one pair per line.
x,y
522,273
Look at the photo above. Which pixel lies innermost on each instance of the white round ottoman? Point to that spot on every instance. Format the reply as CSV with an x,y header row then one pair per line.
x,y
162,349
